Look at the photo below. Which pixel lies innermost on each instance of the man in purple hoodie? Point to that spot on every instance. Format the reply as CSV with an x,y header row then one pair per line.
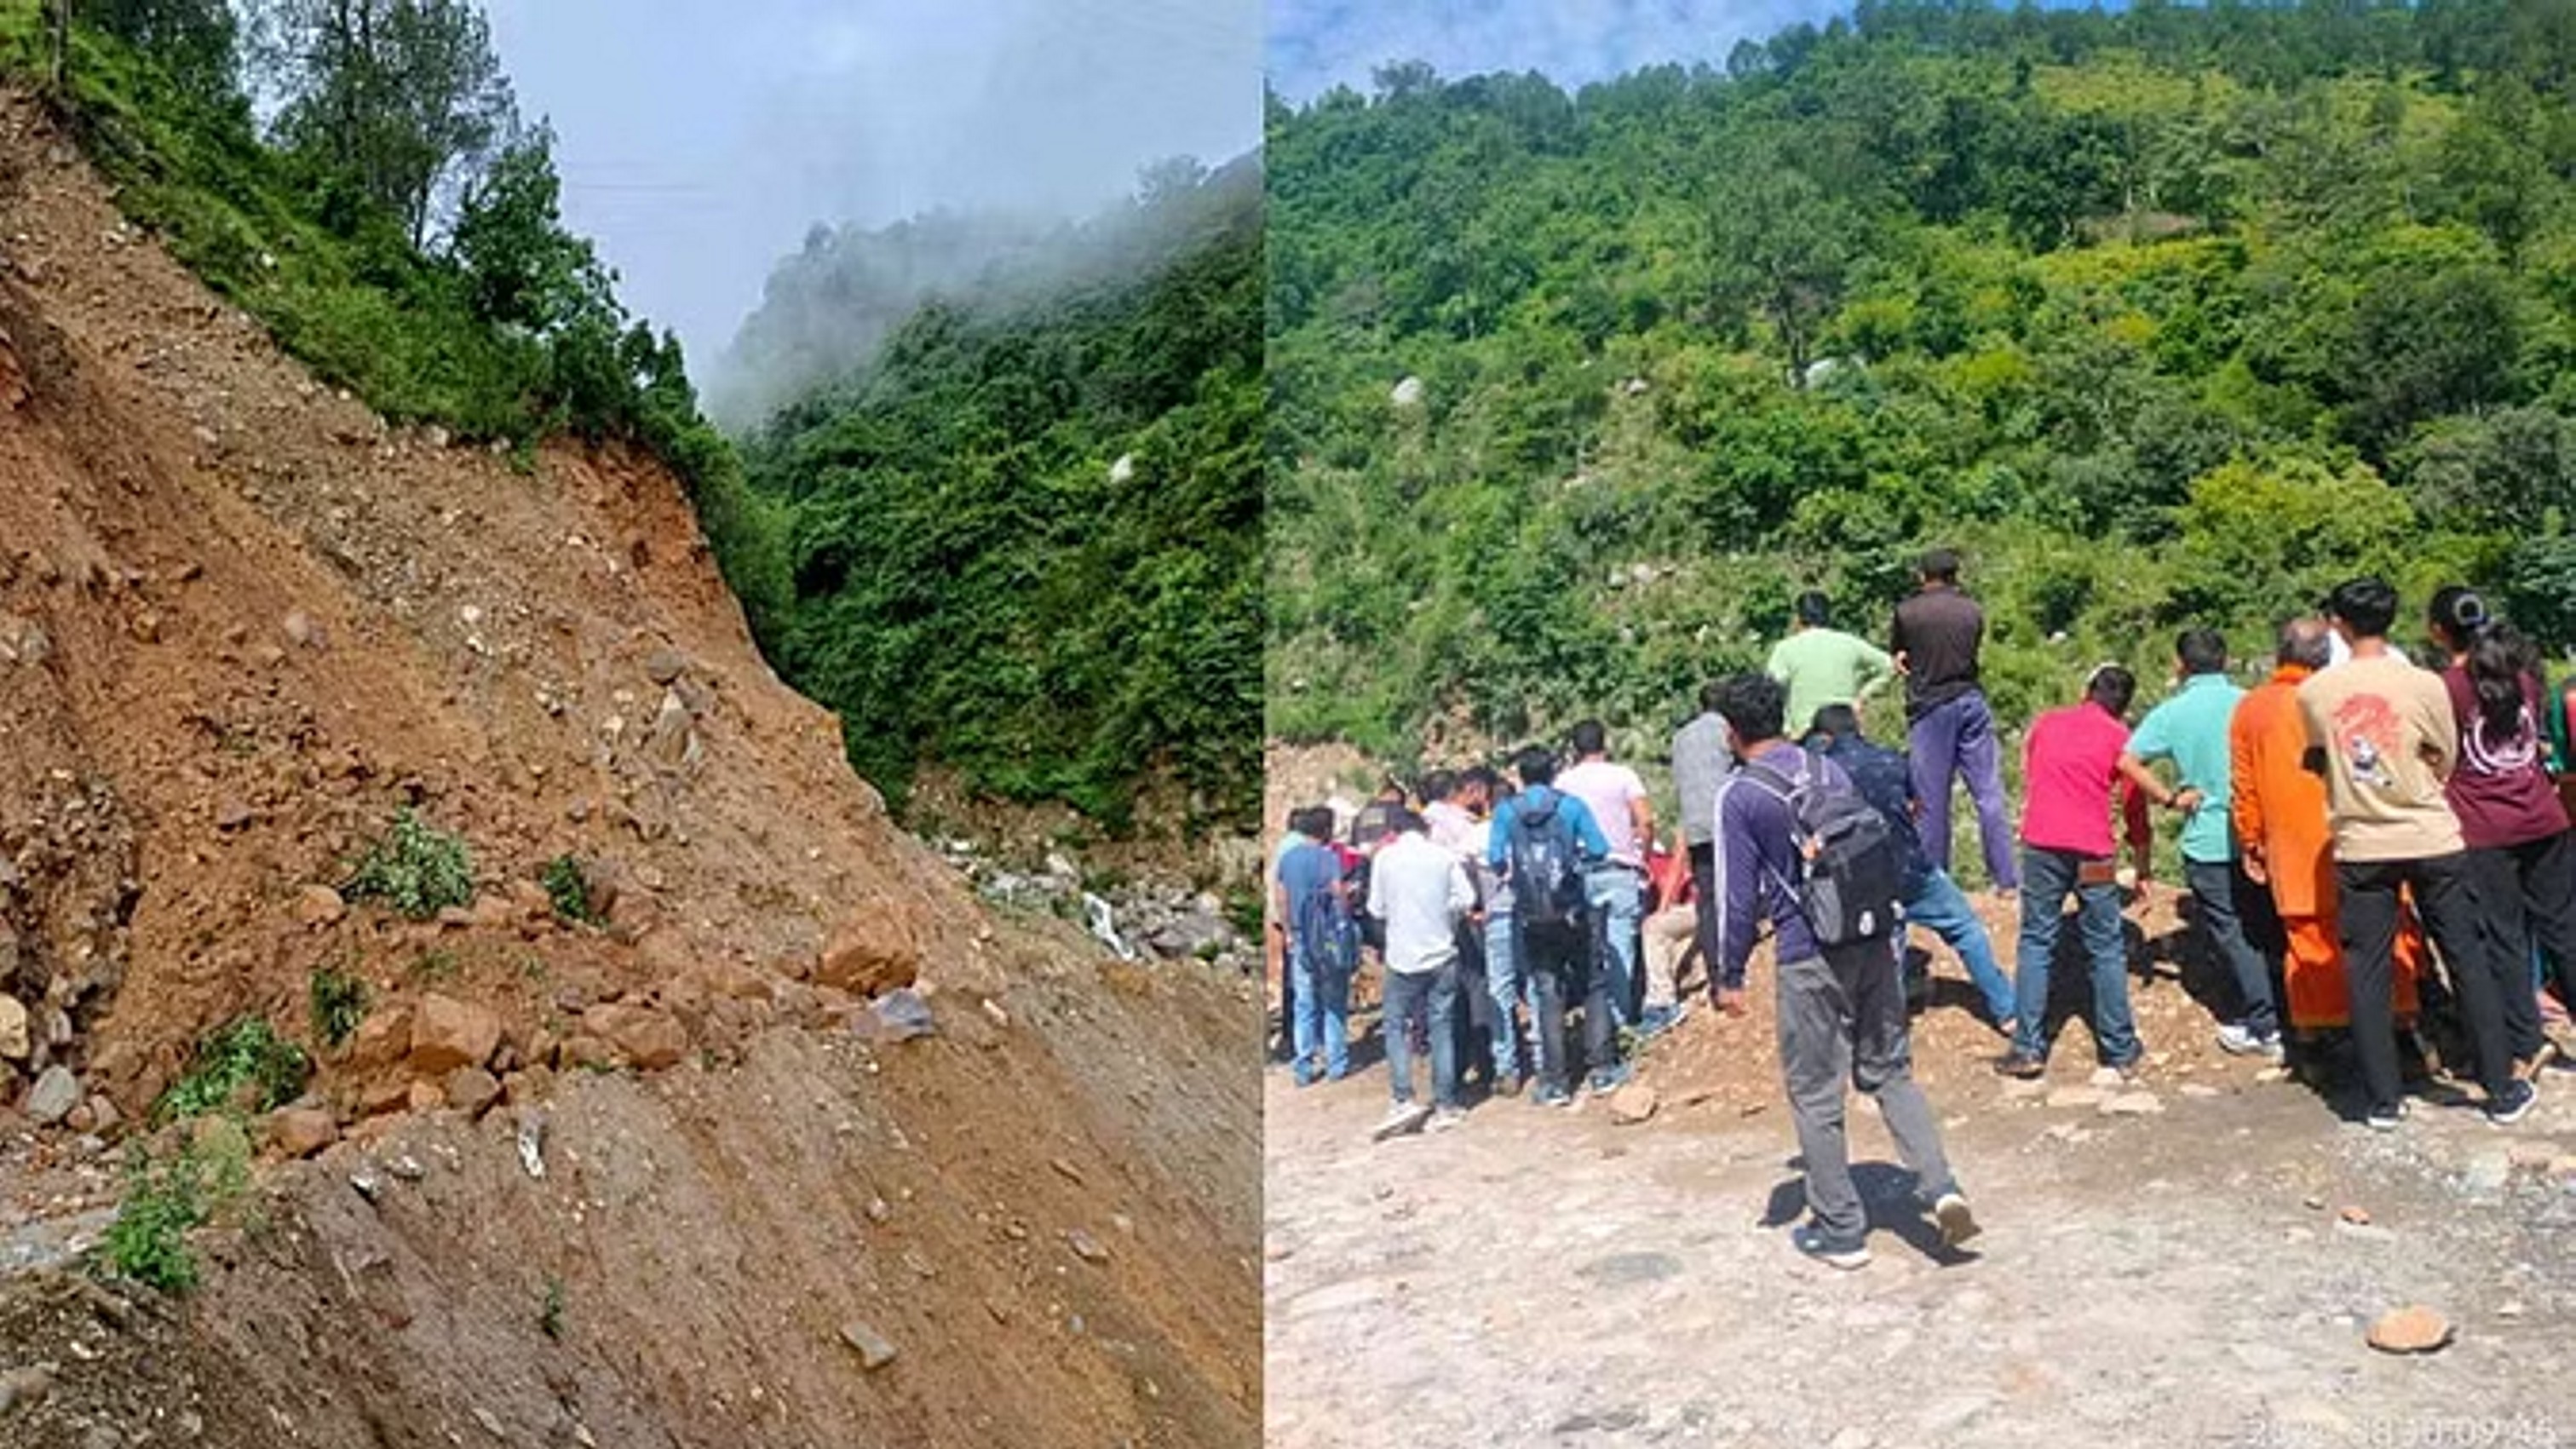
x,y
1841,1008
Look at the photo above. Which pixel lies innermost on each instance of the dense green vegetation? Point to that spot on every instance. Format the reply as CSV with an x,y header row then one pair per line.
x,y
2165,316
395,226
1025,539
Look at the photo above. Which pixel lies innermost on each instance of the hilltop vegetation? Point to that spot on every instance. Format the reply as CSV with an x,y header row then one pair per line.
x,y
1023,527
2162,316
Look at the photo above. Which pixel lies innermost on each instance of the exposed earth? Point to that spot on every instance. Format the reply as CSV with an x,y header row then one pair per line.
x,y
2195,1260
243,622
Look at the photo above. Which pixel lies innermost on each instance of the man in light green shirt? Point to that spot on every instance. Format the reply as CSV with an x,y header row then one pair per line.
x,y
1822,665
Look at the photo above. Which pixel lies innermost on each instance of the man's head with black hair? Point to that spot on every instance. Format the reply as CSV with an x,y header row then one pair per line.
x,y
1315,822
1753,705
2363,608
1477,787
1439,785
2305,642
1708,694
2202,651
1939,566
1839,720
1405,820
2112,687
1814,610
1589,738
1535,766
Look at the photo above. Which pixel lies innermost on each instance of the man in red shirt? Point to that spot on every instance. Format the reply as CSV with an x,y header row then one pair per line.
x,y
2071,766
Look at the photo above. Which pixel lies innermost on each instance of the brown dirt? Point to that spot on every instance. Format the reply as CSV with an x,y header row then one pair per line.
x,y
268,621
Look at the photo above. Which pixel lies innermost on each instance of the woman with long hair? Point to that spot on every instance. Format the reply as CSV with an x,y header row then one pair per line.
x,y
2522,859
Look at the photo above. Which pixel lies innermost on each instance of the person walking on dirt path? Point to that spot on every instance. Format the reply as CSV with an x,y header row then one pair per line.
x,y
1932,899
2191,730
2279,810
1323,949
1421,891
1938,636
1822,665
2520,852
1505,983
2383,734
1544,843
1841,1008
1701,759
2071,770
1615,886
1451,823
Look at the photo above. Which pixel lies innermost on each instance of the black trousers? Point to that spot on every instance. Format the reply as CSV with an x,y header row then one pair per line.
x,y
1703,859
2529,891
1558,963
2447,896
1475,1018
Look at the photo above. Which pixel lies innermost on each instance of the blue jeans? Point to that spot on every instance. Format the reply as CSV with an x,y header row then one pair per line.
x,y
1618,902
1960,737
2048,877
1503,982
1322,1018
2226,899
1939,906
1409,995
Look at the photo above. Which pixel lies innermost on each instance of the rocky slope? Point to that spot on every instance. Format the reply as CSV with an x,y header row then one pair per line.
x,y
242,624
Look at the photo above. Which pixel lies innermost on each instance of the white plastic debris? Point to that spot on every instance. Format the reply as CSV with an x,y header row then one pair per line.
x,y
1104,924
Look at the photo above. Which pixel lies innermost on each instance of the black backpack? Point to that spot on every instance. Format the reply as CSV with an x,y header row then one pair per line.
x,y
1546,868
1855,879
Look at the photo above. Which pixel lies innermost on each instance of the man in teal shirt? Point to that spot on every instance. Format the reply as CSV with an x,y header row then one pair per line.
x,y
2190,730
1822,665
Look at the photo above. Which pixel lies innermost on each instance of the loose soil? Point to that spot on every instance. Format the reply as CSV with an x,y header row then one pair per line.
x,y
242,622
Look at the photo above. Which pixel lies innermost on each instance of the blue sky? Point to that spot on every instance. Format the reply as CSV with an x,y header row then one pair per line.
x,y
1316,44
699,139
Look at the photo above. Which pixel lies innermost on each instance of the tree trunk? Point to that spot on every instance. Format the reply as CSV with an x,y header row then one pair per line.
x,y
58,14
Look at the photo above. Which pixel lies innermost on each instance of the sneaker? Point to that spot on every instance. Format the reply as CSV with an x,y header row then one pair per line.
x,y
1610,1079
2514,1105
1658,1020
1509,1086
2386,1119
1447,1117
1551,1097
1958,1224
1812,1243
2237,1040
1303,1075
2027,1066
1401,1118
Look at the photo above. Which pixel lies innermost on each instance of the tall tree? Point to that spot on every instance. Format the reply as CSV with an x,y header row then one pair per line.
x,y
406,97
196,41
1783,247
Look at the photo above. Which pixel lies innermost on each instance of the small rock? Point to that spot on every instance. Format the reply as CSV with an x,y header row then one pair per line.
x,y
303,632
1066,1170
2200,1089
25,1386
665,665
54,1096
319,905
302,1131
2313,1202
2356,1215
1633,1103
2413,1329
232,815
880,1211
874,1349
103,1115
472,1090
1085,1246
491,1424
447,1034
994,1010
14,1045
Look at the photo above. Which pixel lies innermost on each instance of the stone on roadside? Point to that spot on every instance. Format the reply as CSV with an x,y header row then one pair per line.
x,y
2356,1215
447,1034
2412,1329
472,1090
14,1045
869,956
302,1131
319,905
648,1038
1633,1103
1085,1246
875,1350
54,1096
665,665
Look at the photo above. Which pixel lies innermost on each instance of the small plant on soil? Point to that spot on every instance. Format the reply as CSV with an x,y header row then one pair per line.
x,y
568,890
245,1065
550,1316
339,1004
164,1199
417,868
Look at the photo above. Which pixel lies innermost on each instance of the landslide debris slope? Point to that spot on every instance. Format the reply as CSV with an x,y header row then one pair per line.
x,y
665,1178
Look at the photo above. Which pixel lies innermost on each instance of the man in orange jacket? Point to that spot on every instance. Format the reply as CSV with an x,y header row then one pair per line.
x,y
2280,813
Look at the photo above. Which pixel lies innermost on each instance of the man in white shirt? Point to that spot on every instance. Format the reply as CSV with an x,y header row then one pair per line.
x,y
1615,887
1420,891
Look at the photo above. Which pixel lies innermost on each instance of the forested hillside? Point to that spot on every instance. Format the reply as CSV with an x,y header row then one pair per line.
x,y
2162,316
1024,530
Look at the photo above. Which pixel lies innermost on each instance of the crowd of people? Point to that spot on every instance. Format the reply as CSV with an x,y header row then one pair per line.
x,y
2371,847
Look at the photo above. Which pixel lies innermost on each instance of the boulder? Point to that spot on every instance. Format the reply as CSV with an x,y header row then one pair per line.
x,y
447,1034
648,1038
383,1039
54,1096
302,1131
870,955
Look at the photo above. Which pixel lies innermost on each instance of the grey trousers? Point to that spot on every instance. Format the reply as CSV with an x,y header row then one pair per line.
x,y
1843,1017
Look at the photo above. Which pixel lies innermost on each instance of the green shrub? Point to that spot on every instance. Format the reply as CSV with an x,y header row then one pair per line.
x,y
339,1004
568,890
417,869
164,1199
245,1054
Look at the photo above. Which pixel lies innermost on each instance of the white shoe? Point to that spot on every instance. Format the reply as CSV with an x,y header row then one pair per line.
x,y
1447,1117
1401,1118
